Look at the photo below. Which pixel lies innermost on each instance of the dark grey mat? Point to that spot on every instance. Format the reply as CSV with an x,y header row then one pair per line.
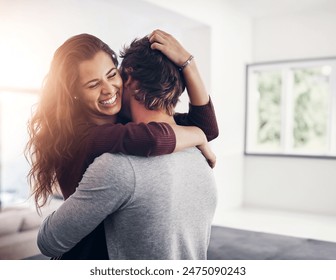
x,y
234,244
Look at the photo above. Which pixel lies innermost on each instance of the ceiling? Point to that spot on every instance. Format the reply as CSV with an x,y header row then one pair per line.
x,y
269,8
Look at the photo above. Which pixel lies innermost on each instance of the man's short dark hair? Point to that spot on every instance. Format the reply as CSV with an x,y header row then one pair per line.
x,y
160,81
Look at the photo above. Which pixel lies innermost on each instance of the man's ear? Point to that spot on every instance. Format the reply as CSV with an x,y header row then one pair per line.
x,y
128,82
127,78
131,84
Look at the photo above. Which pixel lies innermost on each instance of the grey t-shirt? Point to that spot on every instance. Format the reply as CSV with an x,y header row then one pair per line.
x,y
154,208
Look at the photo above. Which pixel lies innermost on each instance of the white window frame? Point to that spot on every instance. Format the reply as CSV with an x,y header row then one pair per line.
x,y
286,108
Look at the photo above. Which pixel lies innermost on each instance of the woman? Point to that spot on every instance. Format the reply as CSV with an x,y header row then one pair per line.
x,y
76,121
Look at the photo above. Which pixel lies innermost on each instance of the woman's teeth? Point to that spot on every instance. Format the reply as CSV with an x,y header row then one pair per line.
x,y
109,101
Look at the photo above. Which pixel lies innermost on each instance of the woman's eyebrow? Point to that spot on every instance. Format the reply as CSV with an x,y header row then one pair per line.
x,y
108,72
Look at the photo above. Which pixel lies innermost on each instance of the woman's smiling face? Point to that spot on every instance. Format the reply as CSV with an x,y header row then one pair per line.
x,y
100,88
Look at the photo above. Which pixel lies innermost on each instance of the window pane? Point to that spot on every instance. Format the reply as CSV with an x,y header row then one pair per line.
x,y
269,109
311,95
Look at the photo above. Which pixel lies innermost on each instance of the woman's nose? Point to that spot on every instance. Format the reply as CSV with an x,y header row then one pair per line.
x,y
108,88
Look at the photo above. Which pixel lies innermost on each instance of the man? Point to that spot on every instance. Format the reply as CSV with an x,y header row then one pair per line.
x,y
154,208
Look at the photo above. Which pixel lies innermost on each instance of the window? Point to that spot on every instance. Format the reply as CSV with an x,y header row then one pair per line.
x,y
15,110
291,108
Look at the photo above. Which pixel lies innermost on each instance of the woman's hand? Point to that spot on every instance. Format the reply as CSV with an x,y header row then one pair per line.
x,y
208,154
169,46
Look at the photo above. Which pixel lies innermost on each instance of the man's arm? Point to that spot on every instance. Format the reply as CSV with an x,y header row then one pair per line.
x,y
106,186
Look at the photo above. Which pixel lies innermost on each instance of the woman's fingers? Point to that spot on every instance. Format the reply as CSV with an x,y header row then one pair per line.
x,y
158,46
169,46
157,36
160,33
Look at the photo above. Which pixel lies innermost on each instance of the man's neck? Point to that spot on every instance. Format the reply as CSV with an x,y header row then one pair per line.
x,y
141,114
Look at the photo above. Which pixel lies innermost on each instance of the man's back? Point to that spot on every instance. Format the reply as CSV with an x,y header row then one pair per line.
x,y
169,209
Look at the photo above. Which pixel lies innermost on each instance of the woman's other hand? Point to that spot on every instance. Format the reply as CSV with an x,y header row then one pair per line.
x,y
208,154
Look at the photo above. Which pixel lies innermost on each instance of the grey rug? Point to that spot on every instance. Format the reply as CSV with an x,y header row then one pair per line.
x,y
234,244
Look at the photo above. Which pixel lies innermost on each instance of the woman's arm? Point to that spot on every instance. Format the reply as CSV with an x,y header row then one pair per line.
x,y
141,139
201,110
201,116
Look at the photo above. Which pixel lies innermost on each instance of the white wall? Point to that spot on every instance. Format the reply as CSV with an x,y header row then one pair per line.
x,y
304,185
296,36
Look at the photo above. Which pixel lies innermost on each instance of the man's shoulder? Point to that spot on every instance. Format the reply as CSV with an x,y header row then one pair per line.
x,y
111,169
176,159
109,160
120,161
111,157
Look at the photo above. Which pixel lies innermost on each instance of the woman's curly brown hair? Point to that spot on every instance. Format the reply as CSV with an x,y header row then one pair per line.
x,y
51,127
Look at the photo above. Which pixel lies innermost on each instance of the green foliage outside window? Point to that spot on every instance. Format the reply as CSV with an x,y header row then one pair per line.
x,y
310,96
269,107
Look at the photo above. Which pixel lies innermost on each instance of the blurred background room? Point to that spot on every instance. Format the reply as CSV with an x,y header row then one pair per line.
x,y
270,68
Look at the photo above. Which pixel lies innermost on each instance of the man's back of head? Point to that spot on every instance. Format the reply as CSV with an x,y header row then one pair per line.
x,y
159,81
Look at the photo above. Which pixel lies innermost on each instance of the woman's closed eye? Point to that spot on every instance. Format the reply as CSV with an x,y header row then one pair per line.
x,y
112,75
93,85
